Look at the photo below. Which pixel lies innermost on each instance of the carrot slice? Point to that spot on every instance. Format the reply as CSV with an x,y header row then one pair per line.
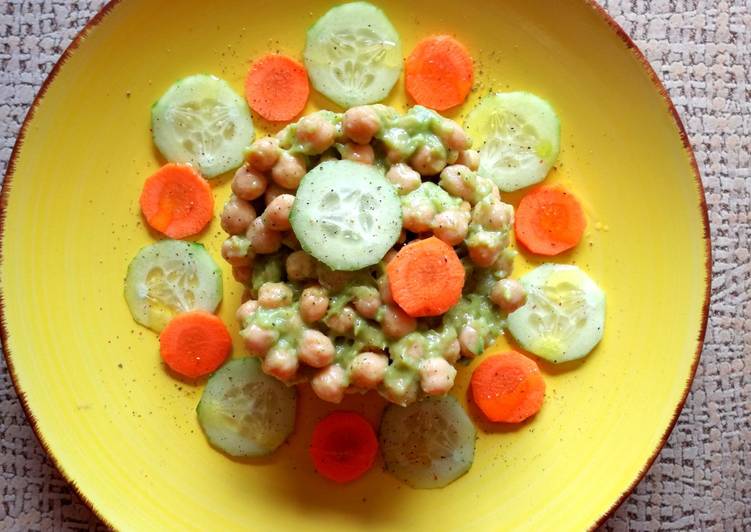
x,y
194,344
177,201
439,72
277,88
344,446
549,221
508,387
426,277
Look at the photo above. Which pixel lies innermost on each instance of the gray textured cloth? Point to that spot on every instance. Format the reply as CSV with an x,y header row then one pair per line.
x,y
702,52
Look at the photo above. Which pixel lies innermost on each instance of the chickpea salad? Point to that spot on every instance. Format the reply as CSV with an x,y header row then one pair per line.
x,y
374,247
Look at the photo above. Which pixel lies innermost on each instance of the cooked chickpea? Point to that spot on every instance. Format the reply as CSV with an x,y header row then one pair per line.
x,y
273,192
237,216
343,322
314,303
395,156
281,363
249,184
332,279
451,226
315,133
276,215
359,153
508,294
452,352
368,370
454,137
274,295
264,153
404,178
455,180
316,349
396,323
289,239
368,303
428,161
418,218
483,254
262,238
493,214
246,310
329,383
242,274
384,289
469,341
402,390
236,251
436,376
257,340
504,264
361,123
288,170
470,159
300,266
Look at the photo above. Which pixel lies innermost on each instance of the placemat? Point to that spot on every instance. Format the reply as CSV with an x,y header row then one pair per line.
x,y
701,49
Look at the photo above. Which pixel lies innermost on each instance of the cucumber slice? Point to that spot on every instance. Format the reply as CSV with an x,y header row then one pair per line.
x,y
244,412
346,214
353,54
522,138
200,120
564,317
428,444
171,277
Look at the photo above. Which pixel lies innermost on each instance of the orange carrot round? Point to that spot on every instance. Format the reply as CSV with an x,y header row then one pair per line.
x,y
426,277
344,446
549,221
194,344
277,88
177,201
439,72
508,387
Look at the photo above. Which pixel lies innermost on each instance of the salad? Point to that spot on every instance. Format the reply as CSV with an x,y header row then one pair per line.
x,y
374,246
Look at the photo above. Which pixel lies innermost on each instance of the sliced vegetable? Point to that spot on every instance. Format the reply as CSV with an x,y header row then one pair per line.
x,y
428,444
277,87
564,316
426,277
549,221
521,138
200,120
439,72
177,201
346,214
171,277
344,446
508,388
244,412
195,344
353,54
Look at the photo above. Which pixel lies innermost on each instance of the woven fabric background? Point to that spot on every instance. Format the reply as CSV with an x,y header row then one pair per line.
x,y
701,49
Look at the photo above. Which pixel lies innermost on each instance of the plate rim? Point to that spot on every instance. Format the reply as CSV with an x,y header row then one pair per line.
x,y
637,53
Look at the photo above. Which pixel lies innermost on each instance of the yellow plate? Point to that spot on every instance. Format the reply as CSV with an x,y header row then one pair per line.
x,y
125,433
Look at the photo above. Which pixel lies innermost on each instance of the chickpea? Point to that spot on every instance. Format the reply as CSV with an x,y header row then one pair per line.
x,y
274,295
404,178
395,156
315,133
329,383
493,214
360,124
242,274
436,376
300,266
384,289
483,254
281,363
368,303
455,180
331,279
359,153
401,390
470,159
288,170
508,294
257,340
396,323
264,153
343,322
273,192
451,226
276,215
316,349
414,353
452,352
289,239
263,239
236,251
470,342
237,216
504,264
246,310
428,161
249,184
418,218
314,303
368,369
453,136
